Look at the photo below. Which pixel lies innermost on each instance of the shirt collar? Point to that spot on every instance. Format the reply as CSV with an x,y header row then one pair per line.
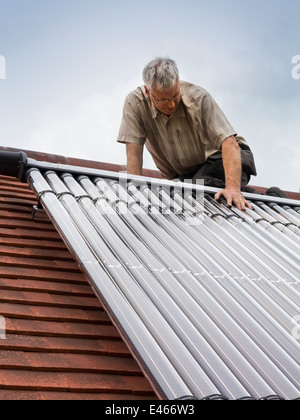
x,y
154,111
186,98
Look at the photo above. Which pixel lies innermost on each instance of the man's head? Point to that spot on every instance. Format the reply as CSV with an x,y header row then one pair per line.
x,y
162,84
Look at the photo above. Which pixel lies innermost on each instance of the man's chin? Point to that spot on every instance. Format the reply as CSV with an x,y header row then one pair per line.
x,y
169,112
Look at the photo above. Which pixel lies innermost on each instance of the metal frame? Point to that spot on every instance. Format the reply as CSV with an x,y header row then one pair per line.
x,y
123,177
16,164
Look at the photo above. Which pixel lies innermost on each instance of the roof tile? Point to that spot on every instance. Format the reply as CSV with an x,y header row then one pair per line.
x,y
49,299
28,311
47,287
66,396
73,382
66,344
65,362
62,328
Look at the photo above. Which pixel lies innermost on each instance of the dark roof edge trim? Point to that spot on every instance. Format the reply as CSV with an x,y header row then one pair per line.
x,y
13,164
17,163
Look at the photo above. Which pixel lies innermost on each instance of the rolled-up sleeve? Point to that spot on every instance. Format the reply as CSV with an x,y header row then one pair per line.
x,y
132,128
216,124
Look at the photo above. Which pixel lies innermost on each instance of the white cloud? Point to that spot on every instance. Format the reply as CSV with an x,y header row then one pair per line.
x,y
87,130
272,130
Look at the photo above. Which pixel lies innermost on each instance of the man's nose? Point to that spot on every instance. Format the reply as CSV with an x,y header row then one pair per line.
x,y
171,102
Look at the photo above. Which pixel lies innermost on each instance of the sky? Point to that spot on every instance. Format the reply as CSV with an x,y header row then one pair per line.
x,y
67,65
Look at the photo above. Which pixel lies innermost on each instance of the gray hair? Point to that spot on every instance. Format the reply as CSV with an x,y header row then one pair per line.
x,y
161,73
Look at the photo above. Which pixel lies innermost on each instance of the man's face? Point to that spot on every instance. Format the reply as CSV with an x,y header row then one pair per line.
x,y
166,101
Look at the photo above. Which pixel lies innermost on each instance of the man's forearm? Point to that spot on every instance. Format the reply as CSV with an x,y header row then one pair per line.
x,y
134,159
232,163
134,167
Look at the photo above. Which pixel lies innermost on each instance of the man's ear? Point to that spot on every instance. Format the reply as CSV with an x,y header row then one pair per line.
x,y
147,91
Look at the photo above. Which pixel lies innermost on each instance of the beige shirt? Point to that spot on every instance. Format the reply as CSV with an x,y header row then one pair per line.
x,y
181,143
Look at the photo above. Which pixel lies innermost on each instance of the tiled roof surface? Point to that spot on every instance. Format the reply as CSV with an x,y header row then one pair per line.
x,y
60,342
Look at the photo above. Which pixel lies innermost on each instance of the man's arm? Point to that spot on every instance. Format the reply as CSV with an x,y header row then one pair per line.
x,y
232,162
134,158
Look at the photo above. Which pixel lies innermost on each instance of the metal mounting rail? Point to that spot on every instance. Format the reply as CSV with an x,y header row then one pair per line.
x,y
16,164
123,177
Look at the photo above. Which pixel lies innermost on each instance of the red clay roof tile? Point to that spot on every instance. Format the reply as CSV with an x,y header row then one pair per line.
x,y
61,329
67,344
73,382
65,362
52,287
69,396
29,311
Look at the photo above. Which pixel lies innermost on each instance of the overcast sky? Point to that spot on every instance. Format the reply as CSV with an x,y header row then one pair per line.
x,y
67,65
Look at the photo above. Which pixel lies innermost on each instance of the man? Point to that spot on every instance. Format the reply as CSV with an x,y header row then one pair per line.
x,y
186,133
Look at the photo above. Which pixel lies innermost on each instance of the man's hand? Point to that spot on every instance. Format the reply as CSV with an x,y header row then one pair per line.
x,y
234,197
231,154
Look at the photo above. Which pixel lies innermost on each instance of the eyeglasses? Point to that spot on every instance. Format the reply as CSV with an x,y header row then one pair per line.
x,y
165,101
